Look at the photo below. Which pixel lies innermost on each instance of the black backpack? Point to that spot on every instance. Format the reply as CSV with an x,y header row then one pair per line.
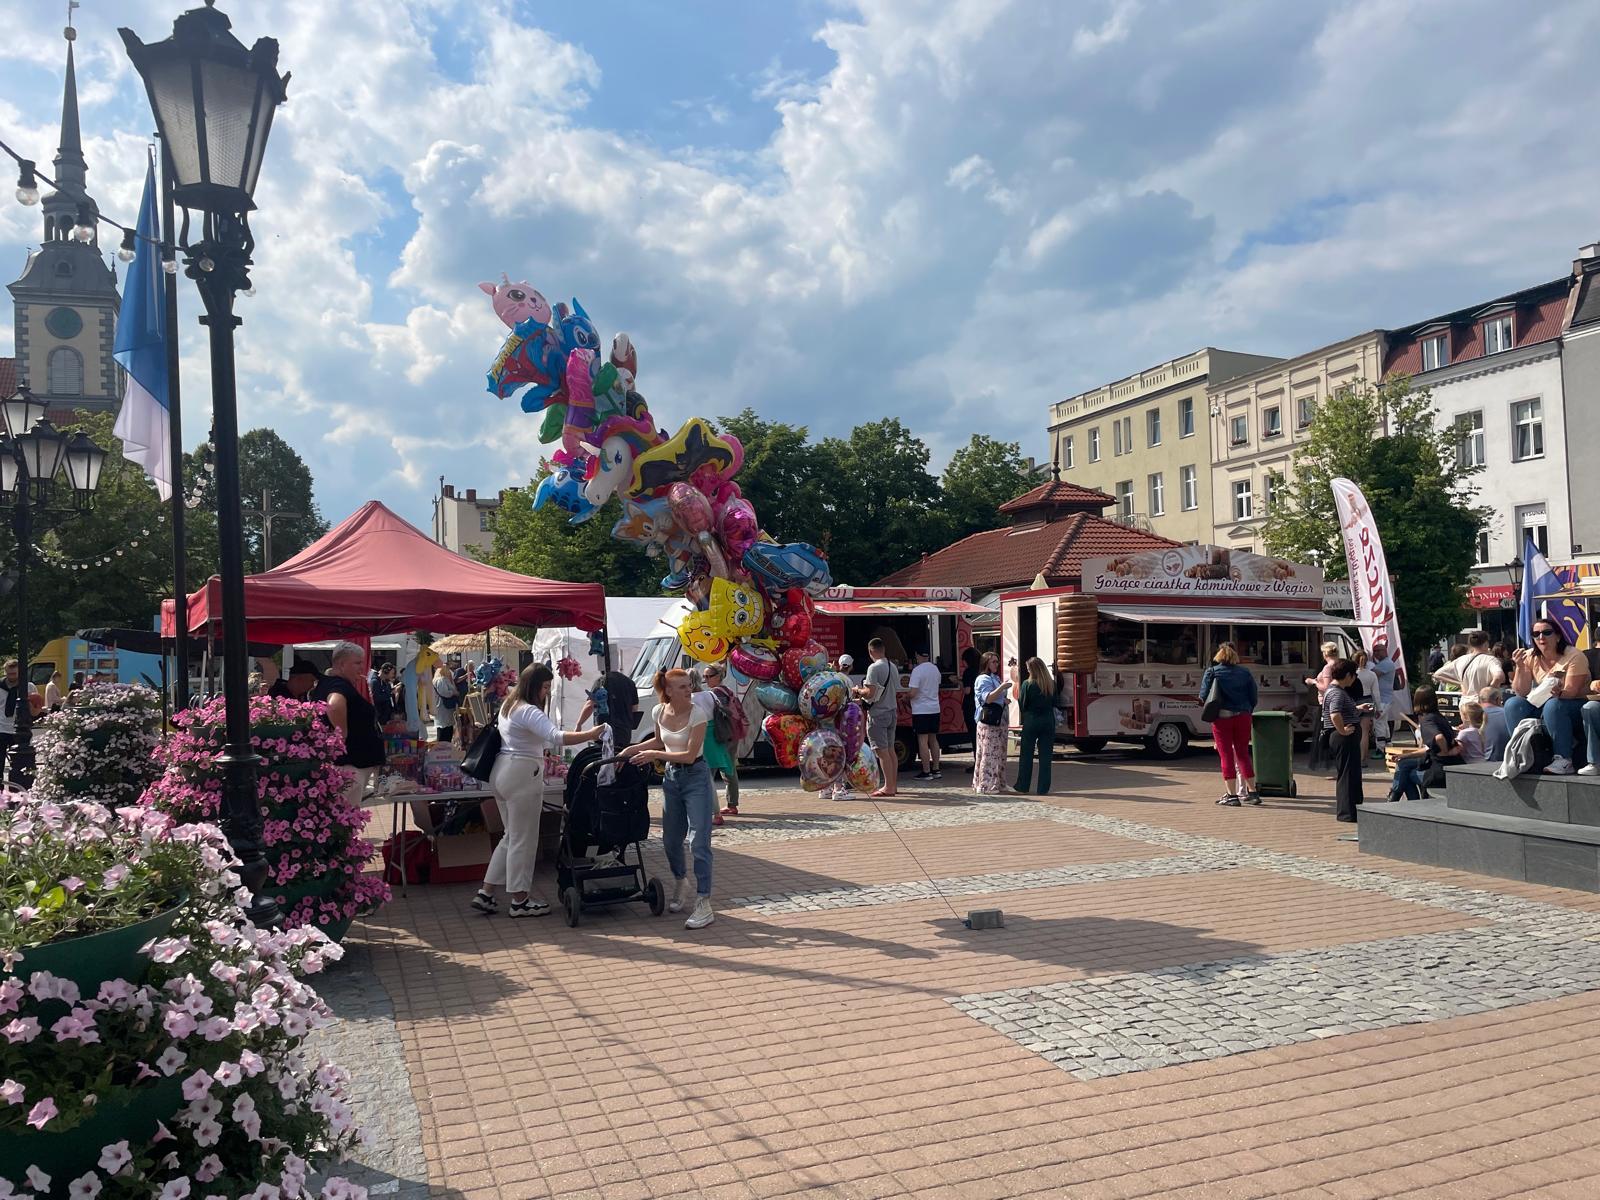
x,y
1542,748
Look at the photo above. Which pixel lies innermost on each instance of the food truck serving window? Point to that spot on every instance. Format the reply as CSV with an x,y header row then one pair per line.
x,y
1173,645
1120,641
1251,643
1291,645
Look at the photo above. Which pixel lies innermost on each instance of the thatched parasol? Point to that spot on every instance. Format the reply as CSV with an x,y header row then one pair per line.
x,y
501,642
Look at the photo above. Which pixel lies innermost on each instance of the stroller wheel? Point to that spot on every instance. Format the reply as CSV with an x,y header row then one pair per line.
x,y
657,896
573,905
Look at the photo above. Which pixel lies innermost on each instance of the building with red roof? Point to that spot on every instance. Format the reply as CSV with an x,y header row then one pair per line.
x,y
1050,532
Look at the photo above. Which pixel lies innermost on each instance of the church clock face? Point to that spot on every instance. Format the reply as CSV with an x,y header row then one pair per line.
x,y
64,323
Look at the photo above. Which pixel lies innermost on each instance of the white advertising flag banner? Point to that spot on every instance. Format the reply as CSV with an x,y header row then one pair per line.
x,y
1371,590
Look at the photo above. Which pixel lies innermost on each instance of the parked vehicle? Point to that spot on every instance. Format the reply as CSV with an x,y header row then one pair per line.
x,y
1130,645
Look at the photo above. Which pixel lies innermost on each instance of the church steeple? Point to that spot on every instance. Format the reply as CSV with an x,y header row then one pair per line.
x,y
66,301
61,206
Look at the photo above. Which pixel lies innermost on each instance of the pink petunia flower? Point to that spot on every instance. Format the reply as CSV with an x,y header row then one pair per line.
x,y
115,1157
42,1113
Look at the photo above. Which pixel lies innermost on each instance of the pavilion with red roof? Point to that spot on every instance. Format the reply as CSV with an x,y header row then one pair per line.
x,y
1052,530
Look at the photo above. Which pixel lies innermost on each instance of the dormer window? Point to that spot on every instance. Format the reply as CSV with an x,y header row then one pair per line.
x,y
1436,351
1497,334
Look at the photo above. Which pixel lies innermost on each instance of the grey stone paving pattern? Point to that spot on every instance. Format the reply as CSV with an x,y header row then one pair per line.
x,y
367,1043
1117,1024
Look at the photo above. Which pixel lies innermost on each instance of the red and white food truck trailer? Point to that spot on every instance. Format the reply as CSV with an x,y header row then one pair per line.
x,y
1129,645
907,618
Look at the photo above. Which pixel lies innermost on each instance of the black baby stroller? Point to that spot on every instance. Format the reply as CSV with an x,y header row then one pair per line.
x,y
593,868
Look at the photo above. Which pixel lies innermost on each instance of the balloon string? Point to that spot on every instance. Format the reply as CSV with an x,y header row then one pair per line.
x,y
932,882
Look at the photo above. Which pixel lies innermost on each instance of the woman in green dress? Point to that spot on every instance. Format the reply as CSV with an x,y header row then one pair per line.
x,y
1037,700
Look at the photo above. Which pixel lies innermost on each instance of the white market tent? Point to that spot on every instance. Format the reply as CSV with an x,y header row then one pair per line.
x,y
631,622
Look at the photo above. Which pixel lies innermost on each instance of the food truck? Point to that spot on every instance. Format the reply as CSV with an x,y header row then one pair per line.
x,y
1128,646
906,618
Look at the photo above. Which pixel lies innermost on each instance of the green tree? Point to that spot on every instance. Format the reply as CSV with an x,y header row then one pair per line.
x,y
785,476
539,542
884,498
269,464
1387,439
980,477
111,565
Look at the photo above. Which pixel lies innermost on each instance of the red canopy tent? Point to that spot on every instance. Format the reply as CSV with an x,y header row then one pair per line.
x,y
374,573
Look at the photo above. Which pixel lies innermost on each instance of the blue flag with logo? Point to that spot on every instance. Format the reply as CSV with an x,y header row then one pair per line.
x,y
144,422
1540,586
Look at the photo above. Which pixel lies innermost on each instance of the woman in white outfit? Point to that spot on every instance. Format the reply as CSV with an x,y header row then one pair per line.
x,y
525,734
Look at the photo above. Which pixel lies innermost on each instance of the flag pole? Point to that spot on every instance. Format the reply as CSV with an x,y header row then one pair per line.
x,y
180,574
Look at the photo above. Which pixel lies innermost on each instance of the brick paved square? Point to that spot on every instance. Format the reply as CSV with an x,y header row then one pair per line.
x,y
1184,1001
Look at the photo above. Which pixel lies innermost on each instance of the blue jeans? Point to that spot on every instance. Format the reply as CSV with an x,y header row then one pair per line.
x,y
688,805
1591,727
1408,778
1560,719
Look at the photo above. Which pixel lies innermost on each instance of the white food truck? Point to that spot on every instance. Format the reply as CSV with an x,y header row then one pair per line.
x,y
1128,647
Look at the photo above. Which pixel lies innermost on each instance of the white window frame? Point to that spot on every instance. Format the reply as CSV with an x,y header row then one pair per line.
x,y
1125,498
1499,334
1272,421
1482,548
1066,452
1439,344
1189,484
1152,426
1234,422
1305,411
1244,508
1094,444
1158,495
1533,424
1471,450
1522,523
1186,417
1116,439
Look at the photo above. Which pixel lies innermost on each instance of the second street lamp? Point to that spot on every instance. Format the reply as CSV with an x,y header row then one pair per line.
x,y
32,452
213,100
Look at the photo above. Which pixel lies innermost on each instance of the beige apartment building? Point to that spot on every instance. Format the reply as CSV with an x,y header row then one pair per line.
x,y
1258,420
1146,440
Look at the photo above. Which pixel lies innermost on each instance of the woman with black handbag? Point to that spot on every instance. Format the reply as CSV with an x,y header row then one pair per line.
x,y
1228,692
990,694
1415,773
1344,715
526,733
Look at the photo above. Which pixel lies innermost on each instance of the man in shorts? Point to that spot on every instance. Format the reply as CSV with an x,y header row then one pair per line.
x,y
881,694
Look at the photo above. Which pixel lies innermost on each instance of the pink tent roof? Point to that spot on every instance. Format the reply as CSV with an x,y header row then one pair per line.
x,y
374,573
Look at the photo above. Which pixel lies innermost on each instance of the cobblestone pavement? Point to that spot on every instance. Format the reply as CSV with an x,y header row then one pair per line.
x,y
1185,1001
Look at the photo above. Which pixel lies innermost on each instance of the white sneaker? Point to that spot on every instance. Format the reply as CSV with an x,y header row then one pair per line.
x,y
1591,769
678,889
702,914
1559,766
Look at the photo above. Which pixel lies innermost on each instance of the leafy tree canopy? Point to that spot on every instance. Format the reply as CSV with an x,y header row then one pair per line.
x,y
1387,439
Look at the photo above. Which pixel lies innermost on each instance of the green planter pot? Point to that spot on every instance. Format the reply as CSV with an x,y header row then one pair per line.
x,y
66,1155
336,930
322,886
96,957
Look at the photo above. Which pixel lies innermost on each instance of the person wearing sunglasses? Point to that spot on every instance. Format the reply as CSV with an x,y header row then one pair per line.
x,y
1550,681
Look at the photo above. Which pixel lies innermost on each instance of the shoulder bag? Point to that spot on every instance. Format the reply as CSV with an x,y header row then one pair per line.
x,y
1213,706
480,756
993,712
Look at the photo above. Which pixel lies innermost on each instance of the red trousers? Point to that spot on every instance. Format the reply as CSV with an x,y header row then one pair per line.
x,y
1232,735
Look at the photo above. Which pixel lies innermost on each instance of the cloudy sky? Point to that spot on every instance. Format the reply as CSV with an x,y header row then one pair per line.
x,y
837,210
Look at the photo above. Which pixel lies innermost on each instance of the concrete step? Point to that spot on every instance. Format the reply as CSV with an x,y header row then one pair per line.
x,y
1533,849
1568,799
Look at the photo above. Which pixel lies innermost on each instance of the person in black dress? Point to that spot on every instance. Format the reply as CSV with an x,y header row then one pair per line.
x,y
353,715
969,681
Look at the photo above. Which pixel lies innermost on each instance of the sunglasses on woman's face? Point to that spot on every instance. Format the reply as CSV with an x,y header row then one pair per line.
x,y
1544,633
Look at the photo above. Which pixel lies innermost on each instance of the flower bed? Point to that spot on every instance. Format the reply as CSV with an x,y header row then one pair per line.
x,y
101,746
184,1076
315,854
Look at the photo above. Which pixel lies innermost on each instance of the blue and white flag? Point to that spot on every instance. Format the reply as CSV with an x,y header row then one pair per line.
x,y
140,348
1541,586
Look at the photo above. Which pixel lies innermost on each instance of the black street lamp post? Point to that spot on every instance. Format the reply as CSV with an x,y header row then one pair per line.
x,y
214,99
32,453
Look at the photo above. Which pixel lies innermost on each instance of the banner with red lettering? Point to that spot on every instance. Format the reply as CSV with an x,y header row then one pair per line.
x,y
1371,591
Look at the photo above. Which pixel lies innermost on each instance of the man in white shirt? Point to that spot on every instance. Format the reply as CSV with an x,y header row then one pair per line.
x,y
925,714
880,691
1475,670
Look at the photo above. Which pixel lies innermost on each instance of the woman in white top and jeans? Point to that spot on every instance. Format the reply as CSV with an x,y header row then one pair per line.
x,y
525,734
688,802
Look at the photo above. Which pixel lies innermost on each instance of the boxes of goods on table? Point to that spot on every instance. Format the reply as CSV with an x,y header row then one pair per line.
x,y
456,823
